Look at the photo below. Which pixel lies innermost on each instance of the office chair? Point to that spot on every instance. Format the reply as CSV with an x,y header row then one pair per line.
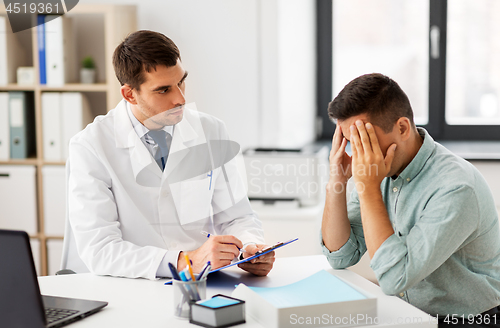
x,y
71,261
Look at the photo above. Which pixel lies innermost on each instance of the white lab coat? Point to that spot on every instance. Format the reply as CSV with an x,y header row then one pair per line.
x,y
124,214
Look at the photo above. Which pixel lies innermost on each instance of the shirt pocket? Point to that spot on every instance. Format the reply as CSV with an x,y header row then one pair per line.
x,y
196,199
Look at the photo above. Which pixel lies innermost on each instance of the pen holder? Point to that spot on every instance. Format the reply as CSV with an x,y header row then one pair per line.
x,y
186,293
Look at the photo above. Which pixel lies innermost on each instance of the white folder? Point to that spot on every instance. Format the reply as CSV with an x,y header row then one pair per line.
x,y
4,127
54,199
12,55
60,51
18,207
51,126
75,116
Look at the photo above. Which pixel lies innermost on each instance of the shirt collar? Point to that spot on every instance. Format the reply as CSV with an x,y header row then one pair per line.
x,y
423,154
139,128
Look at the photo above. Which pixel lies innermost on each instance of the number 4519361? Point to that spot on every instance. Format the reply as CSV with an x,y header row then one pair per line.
x,y
32,8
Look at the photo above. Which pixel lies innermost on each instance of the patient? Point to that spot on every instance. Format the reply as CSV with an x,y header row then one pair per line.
x,y
426,216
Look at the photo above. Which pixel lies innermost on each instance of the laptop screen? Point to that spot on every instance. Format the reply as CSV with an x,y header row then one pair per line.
x,y
20,300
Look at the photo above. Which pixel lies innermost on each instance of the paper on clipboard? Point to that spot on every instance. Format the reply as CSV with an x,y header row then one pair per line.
x,y
264,251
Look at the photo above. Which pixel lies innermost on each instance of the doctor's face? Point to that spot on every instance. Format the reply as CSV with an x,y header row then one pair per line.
x,y
161,100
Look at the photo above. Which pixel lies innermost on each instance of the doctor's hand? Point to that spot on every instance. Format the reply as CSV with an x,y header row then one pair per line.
x,y
219,250
259,266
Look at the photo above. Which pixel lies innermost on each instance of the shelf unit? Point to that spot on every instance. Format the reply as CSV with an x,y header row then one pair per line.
x,y
99,28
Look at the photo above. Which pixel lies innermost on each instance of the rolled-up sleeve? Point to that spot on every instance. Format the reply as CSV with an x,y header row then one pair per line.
x,y
352,251
402,261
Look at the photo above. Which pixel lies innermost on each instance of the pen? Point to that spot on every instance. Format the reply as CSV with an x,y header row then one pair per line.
x,y
207,234
185,291
189,266
210,175
192,289
200,276
207,271
175,274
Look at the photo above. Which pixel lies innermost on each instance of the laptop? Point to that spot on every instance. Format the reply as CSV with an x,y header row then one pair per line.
x,y
21,304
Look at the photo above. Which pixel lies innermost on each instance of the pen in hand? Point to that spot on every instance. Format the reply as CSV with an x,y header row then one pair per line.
x,y
207,234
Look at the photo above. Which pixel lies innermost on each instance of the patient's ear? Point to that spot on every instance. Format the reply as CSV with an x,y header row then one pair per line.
x,y
404,126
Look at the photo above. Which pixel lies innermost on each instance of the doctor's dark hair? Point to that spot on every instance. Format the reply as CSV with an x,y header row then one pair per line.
x,y
142,51
377,96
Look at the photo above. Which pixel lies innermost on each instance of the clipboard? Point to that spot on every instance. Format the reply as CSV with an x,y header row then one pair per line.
x,y
260,253
264,251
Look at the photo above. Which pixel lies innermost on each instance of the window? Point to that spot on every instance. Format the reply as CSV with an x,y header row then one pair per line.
x,y
473,62
444,54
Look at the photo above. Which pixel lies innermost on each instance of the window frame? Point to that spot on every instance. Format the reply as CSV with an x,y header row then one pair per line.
x,y
436,126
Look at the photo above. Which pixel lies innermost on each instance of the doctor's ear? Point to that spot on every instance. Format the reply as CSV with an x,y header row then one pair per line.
x,y
128,94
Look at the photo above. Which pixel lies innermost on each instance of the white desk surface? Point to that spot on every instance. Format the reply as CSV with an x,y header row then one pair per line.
x,y
144,303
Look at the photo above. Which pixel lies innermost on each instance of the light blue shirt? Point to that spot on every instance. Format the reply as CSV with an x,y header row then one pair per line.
x,y
142,131
444,255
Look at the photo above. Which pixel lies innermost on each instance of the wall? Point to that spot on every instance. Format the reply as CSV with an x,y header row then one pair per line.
x,y
251,63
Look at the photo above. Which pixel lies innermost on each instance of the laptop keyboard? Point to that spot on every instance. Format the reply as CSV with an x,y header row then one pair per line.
x,y
57,314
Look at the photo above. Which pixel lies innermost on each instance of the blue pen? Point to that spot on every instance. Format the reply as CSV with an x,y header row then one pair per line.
x,y
185,293
175,274
183,276
195,294
207,271
200,276
207,234
210,175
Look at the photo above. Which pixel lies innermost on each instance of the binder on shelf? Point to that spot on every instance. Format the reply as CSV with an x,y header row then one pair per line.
x,y
75,116
11,54
51,125
4,127
40,30
59,51
22,125
321,293
54,199
18,198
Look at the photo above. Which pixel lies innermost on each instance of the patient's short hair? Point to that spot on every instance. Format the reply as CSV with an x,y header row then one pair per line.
x,y
376,95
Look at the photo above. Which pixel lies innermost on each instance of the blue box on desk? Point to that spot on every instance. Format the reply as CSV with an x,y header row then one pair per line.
x,y
217,312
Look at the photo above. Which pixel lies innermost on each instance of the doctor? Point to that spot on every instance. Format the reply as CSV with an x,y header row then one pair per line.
x,y
139,194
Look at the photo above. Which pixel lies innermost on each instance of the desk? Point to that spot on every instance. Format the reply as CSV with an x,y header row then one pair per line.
x,y
143,303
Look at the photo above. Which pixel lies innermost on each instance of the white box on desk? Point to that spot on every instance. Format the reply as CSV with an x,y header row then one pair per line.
x,y
335,314
18,198
54,199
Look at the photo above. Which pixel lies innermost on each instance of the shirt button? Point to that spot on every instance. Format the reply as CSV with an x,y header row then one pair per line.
x,y
408,179
402,294
395,189
164,193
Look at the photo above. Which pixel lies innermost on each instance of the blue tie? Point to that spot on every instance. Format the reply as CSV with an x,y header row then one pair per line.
x,y
160,137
